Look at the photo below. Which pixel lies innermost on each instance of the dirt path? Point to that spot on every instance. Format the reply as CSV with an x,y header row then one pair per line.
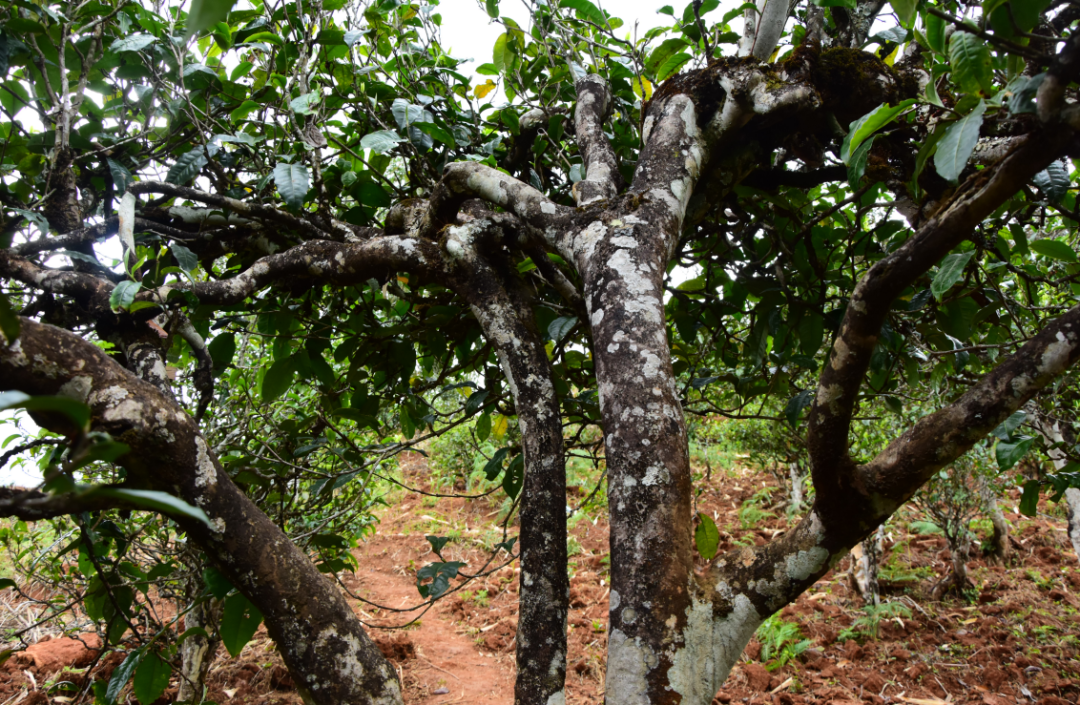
x,y
439,663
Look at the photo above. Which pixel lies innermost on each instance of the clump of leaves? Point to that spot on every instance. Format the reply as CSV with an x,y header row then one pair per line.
x,y
873,615
781,642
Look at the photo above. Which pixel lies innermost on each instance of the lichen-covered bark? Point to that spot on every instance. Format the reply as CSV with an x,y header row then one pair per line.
x,y
601,170
321,640
544,588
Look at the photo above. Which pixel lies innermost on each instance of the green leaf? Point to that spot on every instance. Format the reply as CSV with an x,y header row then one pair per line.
x,y
305,103
662,53
74,409
849,4
278,379
795,406
6,583
372,195
870,123
586,9
245,109
1054,249
503,54
905,10
266,38
382,141
483,427
239,621
10,325
432,130
514,476
123,295
218,585
135,42
475,401
949,273
187,166
440,575
969,59
560,327
671,65
1008,454
927,150
122,675
493,467
204,14
151,678
492,8
706,537
857,165
958,142
811,331
292,183
408,428
437,543
187,259
1005,430
120,175
1053,181
1029,502
150,499
222,349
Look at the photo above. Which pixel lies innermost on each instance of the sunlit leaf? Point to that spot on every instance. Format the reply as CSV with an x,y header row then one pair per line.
x,y
706,537
957,144
292,183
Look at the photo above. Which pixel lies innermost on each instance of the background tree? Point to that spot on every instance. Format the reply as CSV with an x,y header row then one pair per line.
x,y
864,217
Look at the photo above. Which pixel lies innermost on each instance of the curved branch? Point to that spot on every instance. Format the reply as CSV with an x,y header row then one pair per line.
x,y
320,639
464,180
251,210
838,386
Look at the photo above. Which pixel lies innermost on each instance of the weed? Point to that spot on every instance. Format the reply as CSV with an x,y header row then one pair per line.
x,y
780,642
868,624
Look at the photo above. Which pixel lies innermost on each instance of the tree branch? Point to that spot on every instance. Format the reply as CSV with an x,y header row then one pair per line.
x,y
602,179
838,386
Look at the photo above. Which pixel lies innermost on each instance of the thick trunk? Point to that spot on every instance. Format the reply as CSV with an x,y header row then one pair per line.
x,y
649,492
1072,508
321,640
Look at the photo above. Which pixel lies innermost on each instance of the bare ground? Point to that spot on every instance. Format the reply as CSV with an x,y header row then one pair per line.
x,y
1012,639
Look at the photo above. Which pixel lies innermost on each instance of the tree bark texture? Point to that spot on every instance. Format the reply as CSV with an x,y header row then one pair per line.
x,y
320,638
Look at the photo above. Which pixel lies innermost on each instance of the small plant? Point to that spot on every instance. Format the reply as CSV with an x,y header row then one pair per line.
x,y
750,515
1042,582
597,626
873,615
780,642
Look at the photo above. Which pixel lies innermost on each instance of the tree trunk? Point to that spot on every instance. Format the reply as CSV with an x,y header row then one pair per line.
x,y
544,588
798,483
865,560
999,541
1072,508
321,641
197,652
